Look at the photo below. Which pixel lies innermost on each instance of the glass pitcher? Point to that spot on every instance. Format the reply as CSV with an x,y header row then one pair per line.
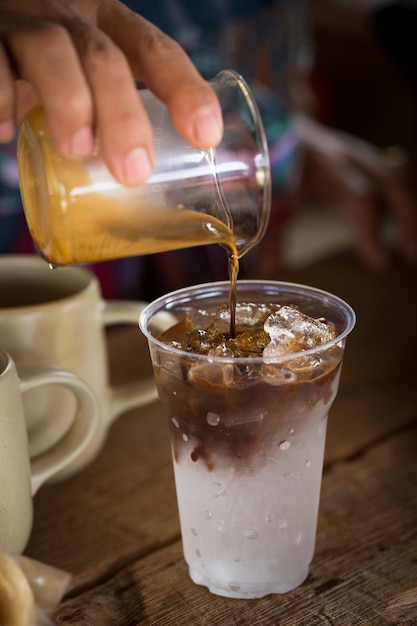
x,y
78,213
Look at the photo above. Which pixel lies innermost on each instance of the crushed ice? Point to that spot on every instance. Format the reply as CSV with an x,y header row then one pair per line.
x,y
292,331
248,315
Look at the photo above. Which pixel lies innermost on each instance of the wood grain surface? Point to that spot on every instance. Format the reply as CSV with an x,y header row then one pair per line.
x,y
115,526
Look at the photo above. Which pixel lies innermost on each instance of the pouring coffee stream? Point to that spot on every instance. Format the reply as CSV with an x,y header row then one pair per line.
x,y
78,213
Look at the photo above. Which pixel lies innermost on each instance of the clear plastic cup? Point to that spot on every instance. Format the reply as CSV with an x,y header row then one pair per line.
x,y
248,437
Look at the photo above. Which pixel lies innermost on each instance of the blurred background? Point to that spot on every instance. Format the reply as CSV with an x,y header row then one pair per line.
x,y
346,64
364,78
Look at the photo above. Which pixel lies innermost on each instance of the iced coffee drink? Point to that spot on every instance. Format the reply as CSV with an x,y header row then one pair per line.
x,y
247,416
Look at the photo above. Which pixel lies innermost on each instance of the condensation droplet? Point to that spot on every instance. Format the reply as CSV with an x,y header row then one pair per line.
x,y
299,537
234,587
308,463
251,533
185,437
213,419
269,519
220,490
175,422
198,553
283,524
207,514
194,532
237,559
220,526
284,445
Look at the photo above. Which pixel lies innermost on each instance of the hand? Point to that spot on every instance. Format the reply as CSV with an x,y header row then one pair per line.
x,y
79,60
354,176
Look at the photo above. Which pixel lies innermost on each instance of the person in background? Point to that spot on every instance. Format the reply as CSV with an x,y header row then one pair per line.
x,y
270,42
79,60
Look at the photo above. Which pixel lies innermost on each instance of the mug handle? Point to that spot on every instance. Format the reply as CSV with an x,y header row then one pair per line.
x,y
130,395
78,436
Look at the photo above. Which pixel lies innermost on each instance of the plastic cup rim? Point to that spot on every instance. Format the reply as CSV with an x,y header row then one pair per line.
x,y
161,304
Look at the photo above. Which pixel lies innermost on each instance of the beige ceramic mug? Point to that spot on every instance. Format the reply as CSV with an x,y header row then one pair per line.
x,y
20,477
57,318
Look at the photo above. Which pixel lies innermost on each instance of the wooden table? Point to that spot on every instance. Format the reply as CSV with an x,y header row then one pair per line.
x,y
115,527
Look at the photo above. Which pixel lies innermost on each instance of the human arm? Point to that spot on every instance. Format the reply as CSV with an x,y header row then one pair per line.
x,y
358,179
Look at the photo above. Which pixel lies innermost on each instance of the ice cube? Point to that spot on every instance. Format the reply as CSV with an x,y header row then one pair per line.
x,y
248,315
314,366
201,341
221,321
292,331
249,343
221,350
168,362
201,319
211,375
278,375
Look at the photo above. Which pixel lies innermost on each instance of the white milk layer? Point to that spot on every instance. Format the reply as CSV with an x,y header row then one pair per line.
x,y
250,532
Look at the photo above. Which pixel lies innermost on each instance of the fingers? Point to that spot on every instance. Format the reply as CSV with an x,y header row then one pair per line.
x,y
85,85
362,216
167,71
47,60
402,208
391,188
123,130
81,67
364,211
353,175
354,193
338,182
406,215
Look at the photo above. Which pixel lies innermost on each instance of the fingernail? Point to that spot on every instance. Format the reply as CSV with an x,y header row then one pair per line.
x,y
207,129
7,130
137,166
82,142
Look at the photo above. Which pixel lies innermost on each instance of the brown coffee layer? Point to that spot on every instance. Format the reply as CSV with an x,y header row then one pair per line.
x,y
225,411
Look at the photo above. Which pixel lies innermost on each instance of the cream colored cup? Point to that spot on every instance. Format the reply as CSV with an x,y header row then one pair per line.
x,y
57,318
20,477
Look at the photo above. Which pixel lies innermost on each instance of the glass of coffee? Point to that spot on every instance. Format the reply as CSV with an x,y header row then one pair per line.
x,y
247,417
